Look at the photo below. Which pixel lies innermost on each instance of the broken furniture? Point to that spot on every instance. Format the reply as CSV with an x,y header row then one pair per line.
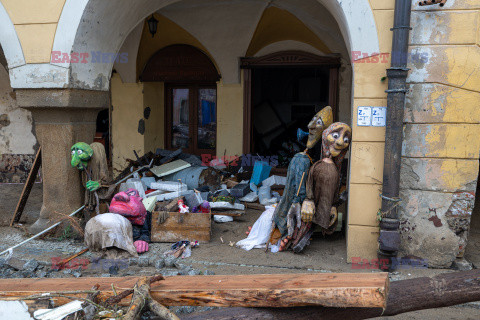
x,y
181,226
27,188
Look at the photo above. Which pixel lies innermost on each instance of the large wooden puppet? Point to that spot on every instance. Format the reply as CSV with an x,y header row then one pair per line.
x,y
295,192
323,185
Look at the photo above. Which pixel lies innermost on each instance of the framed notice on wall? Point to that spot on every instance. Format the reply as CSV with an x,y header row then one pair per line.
x,y
364,116
371,116
379,116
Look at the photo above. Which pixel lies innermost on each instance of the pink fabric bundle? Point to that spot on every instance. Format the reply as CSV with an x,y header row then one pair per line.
x,y
129,204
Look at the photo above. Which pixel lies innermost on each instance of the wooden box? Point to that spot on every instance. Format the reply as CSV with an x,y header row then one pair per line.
x,y
182,226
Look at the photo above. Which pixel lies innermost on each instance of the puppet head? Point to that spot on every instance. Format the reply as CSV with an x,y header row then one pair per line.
x,y
319,122
129,204
81,154
335,141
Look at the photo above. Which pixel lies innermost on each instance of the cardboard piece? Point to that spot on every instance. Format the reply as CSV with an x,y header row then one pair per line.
x,y
169,168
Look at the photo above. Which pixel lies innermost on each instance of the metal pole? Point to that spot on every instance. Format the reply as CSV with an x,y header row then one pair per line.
x,y
389,238
10,250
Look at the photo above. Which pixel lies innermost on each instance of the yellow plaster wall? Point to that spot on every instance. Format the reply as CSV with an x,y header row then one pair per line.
x,y
441,145
127,110
35,22
278,25
229,119
33,11
154,98
438,103
362,242
441,112
373,134
368,143
36,41
169,33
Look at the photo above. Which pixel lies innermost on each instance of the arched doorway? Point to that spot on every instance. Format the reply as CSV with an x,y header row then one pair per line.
x,y
190,97
341,29
290,86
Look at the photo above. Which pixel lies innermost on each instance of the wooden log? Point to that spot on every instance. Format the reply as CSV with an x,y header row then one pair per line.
x,y
161,311
139,300
275,290
142,298
27,188
443,290
116,299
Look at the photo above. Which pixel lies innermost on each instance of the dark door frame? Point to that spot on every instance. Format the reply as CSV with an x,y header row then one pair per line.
x,y
284,59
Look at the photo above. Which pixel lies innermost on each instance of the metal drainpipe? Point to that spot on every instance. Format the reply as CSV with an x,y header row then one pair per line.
x,y
389,239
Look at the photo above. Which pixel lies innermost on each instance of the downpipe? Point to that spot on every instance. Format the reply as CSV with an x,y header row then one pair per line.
x,y
389,239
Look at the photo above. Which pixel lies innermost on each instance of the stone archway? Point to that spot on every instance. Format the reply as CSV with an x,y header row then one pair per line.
x,y
103,27
88,26
9,40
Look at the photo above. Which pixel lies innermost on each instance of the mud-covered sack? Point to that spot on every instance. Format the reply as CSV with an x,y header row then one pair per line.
x,y
109,230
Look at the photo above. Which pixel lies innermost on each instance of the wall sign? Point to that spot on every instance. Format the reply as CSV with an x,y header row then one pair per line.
x,y
364,116
379,116
371,116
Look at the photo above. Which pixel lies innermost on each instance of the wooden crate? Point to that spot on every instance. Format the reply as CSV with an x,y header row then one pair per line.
x,y
182,226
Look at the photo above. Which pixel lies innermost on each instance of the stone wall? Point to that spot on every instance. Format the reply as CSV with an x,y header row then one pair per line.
x,y
17,141
441,145
17,148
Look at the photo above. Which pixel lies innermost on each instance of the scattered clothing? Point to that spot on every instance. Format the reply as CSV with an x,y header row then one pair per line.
x,y
260,232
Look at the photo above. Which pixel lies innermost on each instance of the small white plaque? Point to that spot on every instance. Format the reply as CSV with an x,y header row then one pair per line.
x,y
379,116
364,116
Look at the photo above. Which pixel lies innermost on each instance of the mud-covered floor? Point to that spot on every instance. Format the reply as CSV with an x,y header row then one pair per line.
x,y
219,257
9,195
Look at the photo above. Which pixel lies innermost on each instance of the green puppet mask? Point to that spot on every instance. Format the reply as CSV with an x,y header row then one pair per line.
x,y
81,154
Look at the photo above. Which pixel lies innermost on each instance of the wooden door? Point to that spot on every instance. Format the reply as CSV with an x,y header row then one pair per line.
x,y
191,118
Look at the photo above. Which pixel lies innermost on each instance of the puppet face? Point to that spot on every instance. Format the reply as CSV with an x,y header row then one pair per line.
x,y
81,154
320,122
338,138
129,204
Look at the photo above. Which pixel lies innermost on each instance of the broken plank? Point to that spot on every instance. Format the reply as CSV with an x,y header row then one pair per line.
x,y
27,188
228,213
256,206
181,226
364,290
169,168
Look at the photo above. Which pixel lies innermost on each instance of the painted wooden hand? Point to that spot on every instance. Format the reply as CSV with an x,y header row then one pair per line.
x,y
333,216
308,210
92,185
141,246
293,218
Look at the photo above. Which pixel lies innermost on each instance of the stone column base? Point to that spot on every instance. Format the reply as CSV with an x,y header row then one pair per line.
x,y
62,117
